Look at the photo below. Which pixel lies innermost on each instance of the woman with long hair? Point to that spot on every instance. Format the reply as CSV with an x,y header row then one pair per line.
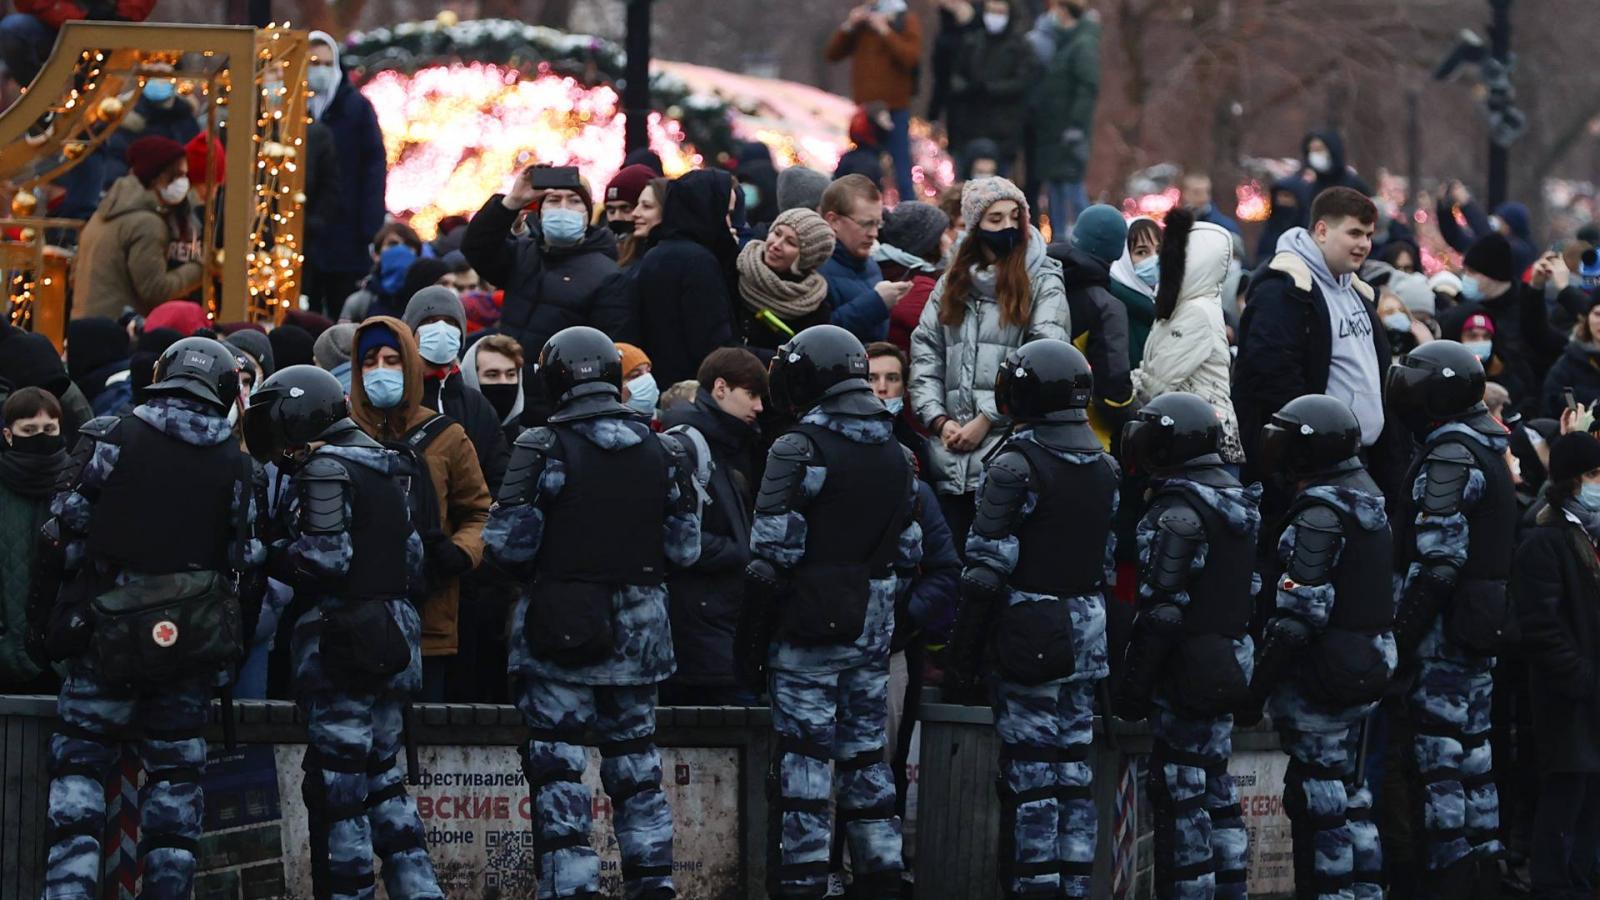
x,y
1000,292
646,216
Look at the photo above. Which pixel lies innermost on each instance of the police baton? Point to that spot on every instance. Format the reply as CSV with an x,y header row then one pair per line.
x,y
1362,750
408,726
1103,690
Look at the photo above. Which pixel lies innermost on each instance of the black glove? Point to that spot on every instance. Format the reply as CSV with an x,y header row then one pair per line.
x,y
763,582
982,592
446,560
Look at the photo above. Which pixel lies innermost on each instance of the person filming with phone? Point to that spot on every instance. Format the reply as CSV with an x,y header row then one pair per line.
x,y
558,268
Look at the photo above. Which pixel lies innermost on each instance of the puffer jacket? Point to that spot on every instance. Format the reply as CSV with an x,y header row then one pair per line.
x,y
1189,351
953,368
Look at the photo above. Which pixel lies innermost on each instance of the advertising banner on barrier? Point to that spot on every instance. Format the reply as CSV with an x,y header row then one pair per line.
x,y
477,816
1258,779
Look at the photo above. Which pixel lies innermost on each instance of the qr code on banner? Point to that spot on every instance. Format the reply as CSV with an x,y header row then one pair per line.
x,y
509,860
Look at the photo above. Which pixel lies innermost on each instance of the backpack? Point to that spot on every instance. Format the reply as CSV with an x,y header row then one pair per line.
x,y
700,454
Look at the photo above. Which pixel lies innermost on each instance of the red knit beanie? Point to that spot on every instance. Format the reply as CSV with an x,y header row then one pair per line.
x,y
149,156
199,172
629,183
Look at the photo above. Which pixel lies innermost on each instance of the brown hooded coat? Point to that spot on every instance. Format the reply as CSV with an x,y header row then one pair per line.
x,y
453,465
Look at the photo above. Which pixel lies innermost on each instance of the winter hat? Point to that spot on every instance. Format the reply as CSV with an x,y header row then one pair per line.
x,y
183,316
198,155
1490,256
629,183
259,346
1446,283
1377,273
1101,232
148,349
372,338
915,227
979,194
648,158
291,346
632,357
314,323
422,273
1478,320
816,237
435,300
28,359
1413,290
1573,454
332,347
483,311
93,342
800,188
149,156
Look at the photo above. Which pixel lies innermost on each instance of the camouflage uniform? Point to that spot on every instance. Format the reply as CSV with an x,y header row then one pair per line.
x,y
830,703
1200,838
95,716
354,790
1045,730
1328,808
613,699
1450,697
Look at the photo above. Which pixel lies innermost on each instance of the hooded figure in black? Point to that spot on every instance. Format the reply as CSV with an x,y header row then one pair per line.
x,y
1284,215
684,284
759,182
97,361
1332,170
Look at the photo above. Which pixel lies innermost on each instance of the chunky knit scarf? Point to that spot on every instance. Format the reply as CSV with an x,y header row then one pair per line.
x,y
761,288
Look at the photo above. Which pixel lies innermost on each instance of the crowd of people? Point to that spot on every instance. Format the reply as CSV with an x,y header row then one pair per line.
x,y
732,439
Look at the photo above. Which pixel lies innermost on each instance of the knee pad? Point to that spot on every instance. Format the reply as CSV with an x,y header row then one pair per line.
x,y
778,803
639,745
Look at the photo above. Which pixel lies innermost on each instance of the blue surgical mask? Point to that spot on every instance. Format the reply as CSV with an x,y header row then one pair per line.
x,y
895,404
1480,349
563,227
1589,496
643,393
392,266
342,372
1148,270
439,342
1470,291
384,387
158,90
1397,321
323,80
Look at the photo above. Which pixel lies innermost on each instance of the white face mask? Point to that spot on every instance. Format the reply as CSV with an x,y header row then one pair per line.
x,y
174,193
895,404
996,22
1319,160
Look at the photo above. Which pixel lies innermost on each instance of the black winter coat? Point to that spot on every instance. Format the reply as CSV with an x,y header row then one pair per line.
x,y
1556,584
1579,369
1523,337
549,288
477,417
686,283
988,86
358,194
704,600
1102,320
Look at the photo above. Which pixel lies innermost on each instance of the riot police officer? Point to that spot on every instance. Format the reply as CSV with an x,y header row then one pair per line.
x,y
156,539
1454,539
1190,655
1040,553
833,526
1326,652
343,524
593,508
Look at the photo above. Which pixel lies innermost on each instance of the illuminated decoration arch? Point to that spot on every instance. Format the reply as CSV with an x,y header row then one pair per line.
x,y
86,88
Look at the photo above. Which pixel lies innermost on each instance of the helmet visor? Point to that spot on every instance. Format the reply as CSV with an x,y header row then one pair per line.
x,y
264,440
1405,388
1275,448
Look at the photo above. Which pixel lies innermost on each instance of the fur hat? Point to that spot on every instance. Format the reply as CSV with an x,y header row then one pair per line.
x,y
915,227
979,194
1174,258
800,188
816,237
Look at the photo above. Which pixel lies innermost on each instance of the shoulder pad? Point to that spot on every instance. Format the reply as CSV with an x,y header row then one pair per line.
x,y
1317,534
1293,266
541,439
793,446
528,454
786,471
1181,520
101,428
323,483
323,468
1005,490
1447,469
1179,535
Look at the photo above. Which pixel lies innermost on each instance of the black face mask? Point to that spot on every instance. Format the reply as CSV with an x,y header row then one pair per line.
x,y
1001,242
501,396
620,227
36,444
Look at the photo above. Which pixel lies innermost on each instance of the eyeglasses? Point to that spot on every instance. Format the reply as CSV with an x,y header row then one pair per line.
x,y
870,226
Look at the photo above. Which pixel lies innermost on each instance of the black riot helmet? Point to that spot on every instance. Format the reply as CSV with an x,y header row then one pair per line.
x,y
197,368
1046,380
291,409
1437,382
580,370
1171,432
820,362
1310,436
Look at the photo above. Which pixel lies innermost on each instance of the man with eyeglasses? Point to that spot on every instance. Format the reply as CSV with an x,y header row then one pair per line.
x,y
860,297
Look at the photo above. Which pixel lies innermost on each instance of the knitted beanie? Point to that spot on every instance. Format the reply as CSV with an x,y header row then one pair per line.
x,y
629,183
332,347
632,357
1490,256
207,165
915,227
1413,290
816,237
1101,232
981,193
800,188
149,156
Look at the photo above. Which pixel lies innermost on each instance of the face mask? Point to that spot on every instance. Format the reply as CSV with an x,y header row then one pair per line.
x,y
1001,242
1480,349
342,372
158,90
323,80
1319,160
996,22
439,342
1397,322
1470,291
642,393
392,266
384,387
1148,270
620,227
895,404
37,444
752,195
174,193
503,397
562,227
1589,496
